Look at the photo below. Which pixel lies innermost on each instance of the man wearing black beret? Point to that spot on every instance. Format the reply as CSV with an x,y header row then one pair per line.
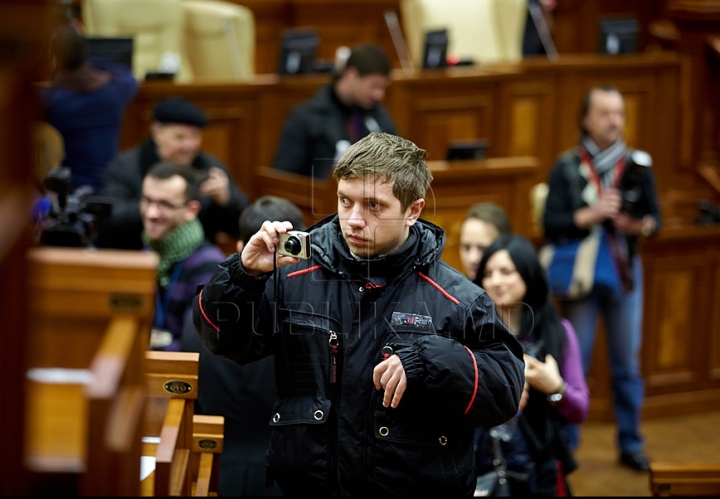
x,y
175,136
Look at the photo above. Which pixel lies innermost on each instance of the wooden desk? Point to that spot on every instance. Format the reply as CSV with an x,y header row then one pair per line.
x,y
524,109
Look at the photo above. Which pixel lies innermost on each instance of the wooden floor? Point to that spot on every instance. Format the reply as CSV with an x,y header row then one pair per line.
x,y
677,439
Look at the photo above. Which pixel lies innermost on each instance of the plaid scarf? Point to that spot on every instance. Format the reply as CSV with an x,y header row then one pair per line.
x,y
176,247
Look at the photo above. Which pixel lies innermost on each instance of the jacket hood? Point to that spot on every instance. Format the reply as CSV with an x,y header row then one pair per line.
x,y
328,248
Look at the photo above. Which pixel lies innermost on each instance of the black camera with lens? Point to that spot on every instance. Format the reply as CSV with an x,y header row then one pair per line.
x,y
73,219
295,243
630,187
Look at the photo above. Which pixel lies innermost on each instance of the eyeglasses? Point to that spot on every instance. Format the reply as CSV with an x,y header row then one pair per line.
x,y
162,205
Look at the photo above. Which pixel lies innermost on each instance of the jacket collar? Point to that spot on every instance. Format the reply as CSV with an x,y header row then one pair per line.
x,y
424,246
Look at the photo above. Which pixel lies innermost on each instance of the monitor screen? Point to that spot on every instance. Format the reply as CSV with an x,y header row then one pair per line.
x,y
435,54
618,36
297,51
117,49
466,150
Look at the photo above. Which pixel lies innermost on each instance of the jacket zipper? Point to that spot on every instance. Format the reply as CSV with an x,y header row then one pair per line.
x,y
333,343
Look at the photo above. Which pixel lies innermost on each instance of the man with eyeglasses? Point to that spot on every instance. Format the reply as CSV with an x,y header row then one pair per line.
x,y
176,136
169,207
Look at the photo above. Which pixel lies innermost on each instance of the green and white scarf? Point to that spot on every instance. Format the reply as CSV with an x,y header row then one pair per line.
x,y
176,247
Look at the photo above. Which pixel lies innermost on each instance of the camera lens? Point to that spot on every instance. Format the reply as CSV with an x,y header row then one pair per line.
x,y
293,245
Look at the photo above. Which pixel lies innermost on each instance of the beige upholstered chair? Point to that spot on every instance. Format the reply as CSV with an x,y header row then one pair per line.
x,y
511,16
486,31
538,198
155,25
219,40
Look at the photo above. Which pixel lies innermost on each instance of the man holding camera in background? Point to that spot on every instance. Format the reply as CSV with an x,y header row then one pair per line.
x,y
602,182
386,357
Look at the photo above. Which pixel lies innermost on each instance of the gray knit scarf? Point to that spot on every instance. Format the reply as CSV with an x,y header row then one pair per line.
x,y
604,161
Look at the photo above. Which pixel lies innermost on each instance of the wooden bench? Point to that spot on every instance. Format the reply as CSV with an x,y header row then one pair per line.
x,y
685,479
84,425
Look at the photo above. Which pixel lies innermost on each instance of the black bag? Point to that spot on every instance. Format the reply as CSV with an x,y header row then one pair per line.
x,y
494,483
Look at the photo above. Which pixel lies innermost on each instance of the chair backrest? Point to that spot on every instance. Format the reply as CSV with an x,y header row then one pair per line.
x,y
486,31
219,40
187,445
155,25
538,197
172,383
511,16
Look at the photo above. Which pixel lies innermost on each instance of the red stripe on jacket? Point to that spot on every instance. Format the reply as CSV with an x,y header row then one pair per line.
x,y
439,288
477,380
202,311
304,271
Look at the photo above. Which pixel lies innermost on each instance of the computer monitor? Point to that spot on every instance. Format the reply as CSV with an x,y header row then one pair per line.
x,y
435,53
466,150
113,49
618,36
297,51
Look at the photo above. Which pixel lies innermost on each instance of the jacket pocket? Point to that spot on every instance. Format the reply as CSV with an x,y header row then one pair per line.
x,y
299,441
306,358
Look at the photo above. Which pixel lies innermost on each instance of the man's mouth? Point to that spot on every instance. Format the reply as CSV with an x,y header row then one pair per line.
x,y
355,239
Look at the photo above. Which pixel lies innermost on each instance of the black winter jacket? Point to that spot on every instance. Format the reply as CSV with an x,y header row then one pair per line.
x,y
308,141
122,183
331,434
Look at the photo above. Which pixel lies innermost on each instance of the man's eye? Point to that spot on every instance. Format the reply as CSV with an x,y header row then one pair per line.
x,y
374,206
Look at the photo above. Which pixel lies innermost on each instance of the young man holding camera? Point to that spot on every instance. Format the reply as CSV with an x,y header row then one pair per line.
x,y
386,357
602,182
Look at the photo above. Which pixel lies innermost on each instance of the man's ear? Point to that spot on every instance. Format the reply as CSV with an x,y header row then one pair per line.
x,y
155,129
352,73
193,209
415,209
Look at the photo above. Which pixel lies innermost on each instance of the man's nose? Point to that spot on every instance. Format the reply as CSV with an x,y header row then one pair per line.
x,y
356,217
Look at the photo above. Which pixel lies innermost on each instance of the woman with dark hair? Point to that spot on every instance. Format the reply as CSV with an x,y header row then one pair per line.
x,y
533,442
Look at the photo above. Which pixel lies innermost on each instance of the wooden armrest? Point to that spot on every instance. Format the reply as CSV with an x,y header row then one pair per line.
x,y
208,433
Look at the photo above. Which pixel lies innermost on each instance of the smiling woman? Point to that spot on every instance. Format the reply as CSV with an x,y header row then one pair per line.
x,y
556,391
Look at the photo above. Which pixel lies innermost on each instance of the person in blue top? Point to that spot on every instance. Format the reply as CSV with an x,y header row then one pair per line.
x,y
86,102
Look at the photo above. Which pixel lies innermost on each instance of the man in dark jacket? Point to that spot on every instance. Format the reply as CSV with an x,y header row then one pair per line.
x,y
175,136
386,358
318,131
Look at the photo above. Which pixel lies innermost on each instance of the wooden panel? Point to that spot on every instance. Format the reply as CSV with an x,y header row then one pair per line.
x,y
347,22
680,343
668,349
233,111
75,293
315,198
714,345
524,129
433,119
25,28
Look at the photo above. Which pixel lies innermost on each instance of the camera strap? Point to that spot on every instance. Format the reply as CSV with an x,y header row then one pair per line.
x,y
276,286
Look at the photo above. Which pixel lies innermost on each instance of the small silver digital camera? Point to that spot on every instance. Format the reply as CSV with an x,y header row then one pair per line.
x,y
295,243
